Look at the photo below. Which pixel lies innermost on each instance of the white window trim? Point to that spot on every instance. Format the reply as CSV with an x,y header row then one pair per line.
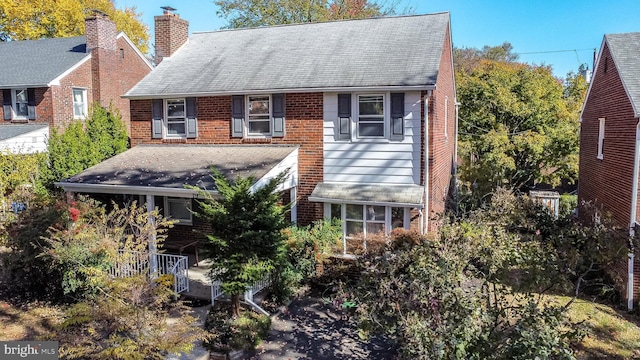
x,y
183,201
247,119
14,105
85,106
601,124
386,122
165,129
388,222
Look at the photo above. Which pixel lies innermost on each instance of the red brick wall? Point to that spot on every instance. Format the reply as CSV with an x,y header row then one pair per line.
x,y
62,96
304,127
441,143
608,182
171,32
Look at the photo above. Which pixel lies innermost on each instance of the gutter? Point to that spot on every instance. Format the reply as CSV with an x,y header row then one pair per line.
x,y
632,220
128,189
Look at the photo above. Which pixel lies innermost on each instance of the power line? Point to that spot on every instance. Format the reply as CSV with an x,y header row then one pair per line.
x,y
552,51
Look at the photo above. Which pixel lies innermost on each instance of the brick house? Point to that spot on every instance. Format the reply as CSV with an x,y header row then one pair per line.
x,y
52,81
610,140
362,113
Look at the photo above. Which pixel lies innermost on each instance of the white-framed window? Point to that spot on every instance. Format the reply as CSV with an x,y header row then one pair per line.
x,y
20,104
179,209
80,105
360,221
259,115
176,118
600,138
370,116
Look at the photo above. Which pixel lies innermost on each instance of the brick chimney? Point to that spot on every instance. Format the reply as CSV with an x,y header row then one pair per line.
x,y
102,43
100,31
171,33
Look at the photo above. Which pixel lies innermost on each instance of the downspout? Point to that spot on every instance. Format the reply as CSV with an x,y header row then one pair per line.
x,y
426,164
632,220
455,160
153,248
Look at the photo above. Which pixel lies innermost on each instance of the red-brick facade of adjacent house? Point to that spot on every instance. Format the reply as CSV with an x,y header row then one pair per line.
x,y
114,68
608,182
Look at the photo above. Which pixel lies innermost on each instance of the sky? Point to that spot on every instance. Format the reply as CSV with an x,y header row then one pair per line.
x,y
559,33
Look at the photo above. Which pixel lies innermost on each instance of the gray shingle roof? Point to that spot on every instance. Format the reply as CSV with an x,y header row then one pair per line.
x,y
37,62
364,193
173,166
389,51
12,130
625,50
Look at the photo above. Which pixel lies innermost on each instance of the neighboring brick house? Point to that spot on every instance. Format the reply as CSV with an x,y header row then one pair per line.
x,y
362,112
52,81
610,139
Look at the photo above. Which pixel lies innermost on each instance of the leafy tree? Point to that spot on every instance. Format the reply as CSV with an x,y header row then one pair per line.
x,y
246,239
466,58
83,145
518,126
28,20
254,13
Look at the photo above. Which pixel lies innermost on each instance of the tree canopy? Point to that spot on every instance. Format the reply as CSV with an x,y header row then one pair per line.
x,y
254,13
518,123
28,19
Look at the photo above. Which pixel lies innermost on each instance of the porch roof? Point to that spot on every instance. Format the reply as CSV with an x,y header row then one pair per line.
x,y
391,195
166,169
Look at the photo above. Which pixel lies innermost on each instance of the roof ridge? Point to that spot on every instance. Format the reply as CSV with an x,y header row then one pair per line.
x,y
320,22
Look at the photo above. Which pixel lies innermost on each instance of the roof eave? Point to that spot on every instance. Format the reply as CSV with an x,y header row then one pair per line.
x,y
128,189
362,202
283,90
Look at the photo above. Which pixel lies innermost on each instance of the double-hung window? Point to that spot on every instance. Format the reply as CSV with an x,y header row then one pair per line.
x,y
80,106
21,104
258,116
259,119
176,118
371,116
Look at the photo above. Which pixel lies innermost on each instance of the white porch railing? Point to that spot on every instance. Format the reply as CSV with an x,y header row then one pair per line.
x,y
216,290
130,263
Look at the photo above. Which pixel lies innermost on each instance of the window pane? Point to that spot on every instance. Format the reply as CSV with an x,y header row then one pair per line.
x,y
354,212
373,228
78,109
21,96
179,209
176,128
375,212
371,105
354,228
21,109
397,217
175,108
258,105
371,129
259,127
336,211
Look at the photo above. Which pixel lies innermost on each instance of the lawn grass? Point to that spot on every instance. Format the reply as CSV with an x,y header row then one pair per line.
x,y
612,334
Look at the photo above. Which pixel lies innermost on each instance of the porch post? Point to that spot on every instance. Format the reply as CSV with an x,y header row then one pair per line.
x,y
153,249
294,204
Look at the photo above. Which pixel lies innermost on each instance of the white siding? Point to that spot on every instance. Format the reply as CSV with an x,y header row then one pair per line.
x,y
29,143
372,160
290,164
